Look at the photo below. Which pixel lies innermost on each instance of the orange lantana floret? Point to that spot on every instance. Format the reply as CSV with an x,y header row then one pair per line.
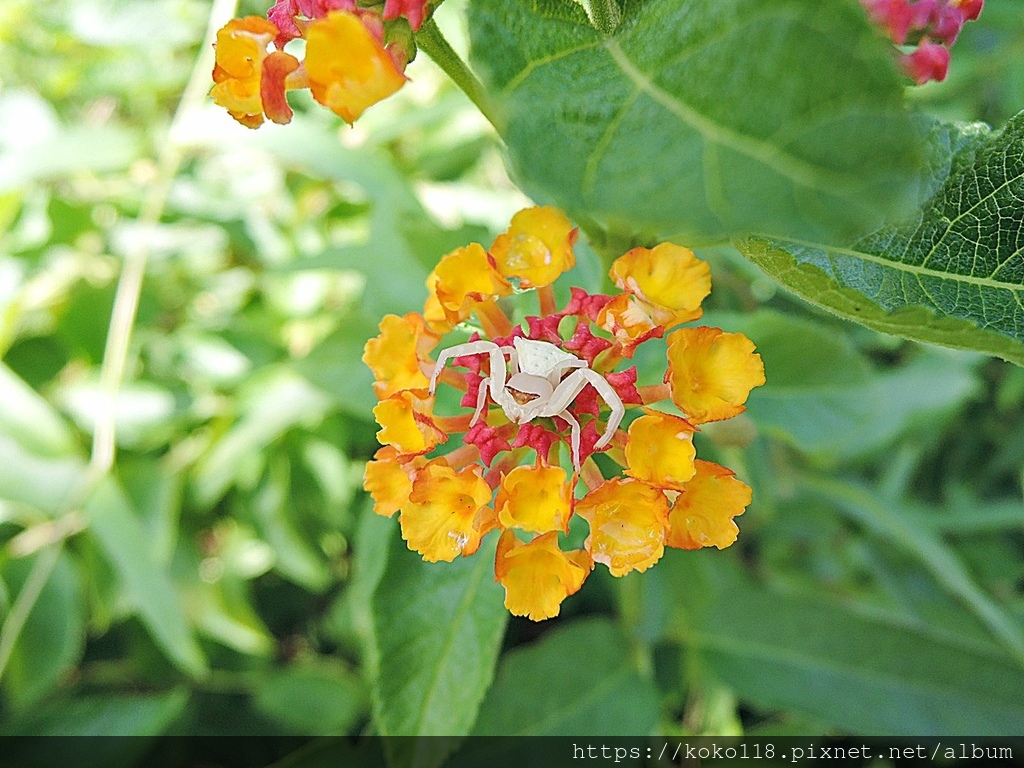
x,y
406,420
538,576
249,82
388,479
465,277
398,354
446,514
535,499
348,67
711,372
628,521
660,450
669,281
702,514
537,247
627,320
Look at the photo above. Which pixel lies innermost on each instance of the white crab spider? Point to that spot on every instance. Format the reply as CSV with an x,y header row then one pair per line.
x,y
536,386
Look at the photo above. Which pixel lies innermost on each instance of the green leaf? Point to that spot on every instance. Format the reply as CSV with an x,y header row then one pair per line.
x,y
394,272
952,275
312,698
925,545
42,483
437,631
823,397
119,533
551,688
274,513
72,150
272,404
796,651
699,119
106,715
53,636
336,366
29,419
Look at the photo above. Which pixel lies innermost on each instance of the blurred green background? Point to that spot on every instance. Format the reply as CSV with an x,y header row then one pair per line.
x,y
227,576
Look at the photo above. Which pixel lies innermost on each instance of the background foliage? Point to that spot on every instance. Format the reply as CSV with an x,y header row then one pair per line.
x,y
228,576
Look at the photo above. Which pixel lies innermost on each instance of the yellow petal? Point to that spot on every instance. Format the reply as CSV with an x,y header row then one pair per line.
x,y
388,479
538,576
440,518
537,247
628,521
669,280
535,499
711,372
659,450
241,49
348,68
702,515
627,320
406,420
464,278
395,355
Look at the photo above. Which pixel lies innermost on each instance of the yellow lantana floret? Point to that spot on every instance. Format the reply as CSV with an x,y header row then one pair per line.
x,y
388,479
465,277
537,247
534,499
711,372
628,521
446,514
702,514
627,320
668,280
347,66
538,576
407,424
249,82
396,355
659,450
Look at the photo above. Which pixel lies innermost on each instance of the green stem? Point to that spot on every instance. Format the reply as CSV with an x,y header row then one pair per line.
x,y
430,40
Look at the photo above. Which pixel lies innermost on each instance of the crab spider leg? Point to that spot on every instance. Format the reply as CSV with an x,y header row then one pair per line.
x,y
481,401
459,350
574,436
573,384
513,358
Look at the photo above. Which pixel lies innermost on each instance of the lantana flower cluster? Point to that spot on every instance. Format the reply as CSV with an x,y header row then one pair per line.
x,y
542,399
928,27
347,65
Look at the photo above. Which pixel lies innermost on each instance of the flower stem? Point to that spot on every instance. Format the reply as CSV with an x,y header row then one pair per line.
x,y
548,304
430,40
491,317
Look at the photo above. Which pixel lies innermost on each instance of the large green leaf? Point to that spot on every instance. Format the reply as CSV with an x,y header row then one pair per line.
x,y
823,396
119,533
128,714
896,675
312,697
437,630
951,275
550,688
699,119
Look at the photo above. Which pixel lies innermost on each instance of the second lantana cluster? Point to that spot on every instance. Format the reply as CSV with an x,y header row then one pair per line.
x,y
350,63
927,28
543,399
